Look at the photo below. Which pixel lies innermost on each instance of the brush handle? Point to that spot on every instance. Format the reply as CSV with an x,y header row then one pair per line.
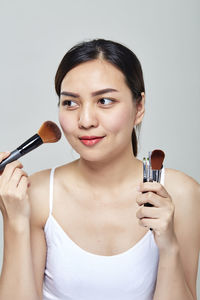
x,y
156,177
146,178
14,155
32,143
147,204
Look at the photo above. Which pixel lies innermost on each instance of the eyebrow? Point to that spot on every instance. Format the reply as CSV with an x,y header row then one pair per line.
x,y
96,93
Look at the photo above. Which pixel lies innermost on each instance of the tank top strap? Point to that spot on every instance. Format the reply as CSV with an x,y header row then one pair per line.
x,y
51,180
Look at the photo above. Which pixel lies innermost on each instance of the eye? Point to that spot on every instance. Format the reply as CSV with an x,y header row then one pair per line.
x,y
69,103
106,101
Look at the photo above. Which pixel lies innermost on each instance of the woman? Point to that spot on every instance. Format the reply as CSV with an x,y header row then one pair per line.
x,y
81,231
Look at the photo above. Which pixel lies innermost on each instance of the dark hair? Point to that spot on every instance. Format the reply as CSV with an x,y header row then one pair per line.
x,y
120,56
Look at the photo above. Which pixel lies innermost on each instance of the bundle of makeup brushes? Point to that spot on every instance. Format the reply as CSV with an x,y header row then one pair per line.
x,y
152,166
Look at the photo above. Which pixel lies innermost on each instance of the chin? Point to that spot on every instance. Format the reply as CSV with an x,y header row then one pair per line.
x,y
91,158
103,154
99,158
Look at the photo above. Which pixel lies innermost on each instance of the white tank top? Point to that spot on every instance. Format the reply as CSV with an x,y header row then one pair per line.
x,y
72,273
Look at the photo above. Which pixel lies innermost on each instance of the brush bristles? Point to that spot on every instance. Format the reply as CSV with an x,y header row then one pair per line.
x,y
49,132
157,158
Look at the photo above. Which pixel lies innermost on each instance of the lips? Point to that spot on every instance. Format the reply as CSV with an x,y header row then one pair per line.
x,y
91,140
90,137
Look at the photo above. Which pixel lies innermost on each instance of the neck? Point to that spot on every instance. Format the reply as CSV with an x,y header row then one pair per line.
x,y
106,175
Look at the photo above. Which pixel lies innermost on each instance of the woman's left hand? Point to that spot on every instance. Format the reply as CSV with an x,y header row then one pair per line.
x,y
160,217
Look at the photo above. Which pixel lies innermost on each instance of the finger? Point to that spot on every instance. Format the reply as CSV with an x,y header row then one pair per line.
x,y
145,212
155,187
23,186
150,197
3,155
150,223
16,177
9,170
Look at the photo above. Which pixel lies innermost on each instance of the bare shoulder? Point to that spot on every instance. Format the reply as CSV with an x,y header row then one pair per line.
x,y
185,193
184,189
39,197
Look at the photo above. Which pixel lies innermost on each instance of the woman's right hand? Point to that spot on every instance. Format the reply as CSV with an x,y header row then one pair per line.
x,y
14,183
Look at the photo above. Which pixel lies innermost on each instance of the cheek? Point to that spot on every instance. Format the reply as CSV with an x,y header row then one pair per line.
x,y
119,120
67,126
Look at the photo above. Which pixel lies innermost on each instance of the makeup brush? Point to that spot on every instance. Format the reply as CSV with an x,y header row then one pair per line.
x,y
48,133
147,173
157,158
144,170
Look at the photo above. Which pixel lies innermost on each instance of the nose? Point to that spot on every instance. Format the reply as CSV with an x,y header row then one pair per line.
x,y
87,117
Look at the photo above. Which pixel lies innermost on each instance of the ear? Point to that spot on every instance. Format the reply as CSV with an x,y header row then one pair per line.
x,y
140,109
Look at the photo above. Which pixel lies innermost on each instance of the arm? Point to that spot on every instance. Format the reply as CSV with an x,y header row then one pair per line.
x,y
176,227
23,262
177,271
17,279
171,279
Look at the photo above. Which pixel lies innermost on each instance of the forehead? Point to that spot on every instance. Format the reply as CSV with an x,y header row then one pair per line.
x,y
94,74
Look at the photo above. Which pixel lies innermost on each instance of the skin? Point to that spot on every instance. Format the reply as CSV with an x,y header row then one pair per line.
x,y
104,186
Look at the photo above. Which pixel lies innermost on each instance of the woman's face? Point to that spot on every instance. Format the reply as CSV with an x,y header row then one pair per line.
x,y
96,101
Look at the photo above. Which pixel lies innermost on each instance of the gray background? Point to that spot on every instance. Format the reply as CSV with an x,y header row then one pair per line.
x,y
164,35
